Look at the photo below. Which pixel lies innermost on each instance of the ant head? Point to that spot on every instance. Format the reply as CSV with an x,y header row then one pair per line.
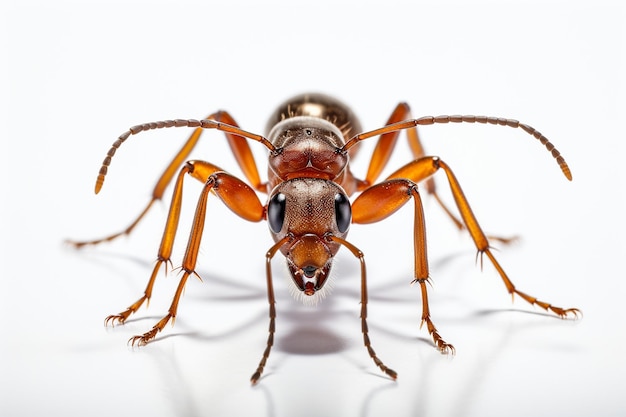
x,y
309,210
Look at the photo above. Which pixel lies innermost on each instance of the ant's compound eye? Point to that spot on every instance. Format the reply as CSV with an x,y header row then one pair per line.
x,y
343,212
276,212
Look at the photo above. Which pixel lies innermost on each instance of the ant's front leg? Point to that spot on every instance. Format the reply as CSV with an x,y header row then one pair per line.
x,y
236,194
381,201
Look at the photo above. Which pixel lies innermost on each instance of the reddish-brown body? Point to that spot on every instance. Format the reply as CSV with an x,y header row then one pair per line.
x,y
310,140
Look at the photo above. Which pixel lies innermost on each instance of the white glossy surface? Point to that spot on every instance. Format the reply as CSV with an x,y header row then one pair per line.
x,y
78,75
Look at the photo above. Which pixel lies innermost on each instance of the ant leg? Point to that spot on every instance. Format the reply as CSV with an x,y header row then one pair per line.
x,y
364,328
427,166
165,250
387,143
383,150
381,201
238,196
417,149
167,242
239,147
243,154
272,309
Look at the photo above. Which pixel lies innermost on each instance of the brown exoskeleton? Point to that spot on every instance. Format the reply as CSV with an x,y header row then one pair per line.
x,y
310,140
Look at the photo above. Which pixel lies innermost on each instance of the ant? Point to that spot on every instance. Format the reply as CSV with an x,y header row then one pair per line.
x,y
310,139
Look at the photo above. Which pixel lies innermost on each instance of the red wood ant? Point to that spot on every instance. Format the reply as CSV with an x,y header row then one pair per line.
x,y
310,139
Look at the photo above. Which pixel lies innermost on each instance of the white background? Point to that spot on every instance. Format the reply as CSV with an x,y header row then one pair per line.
x,y
77,74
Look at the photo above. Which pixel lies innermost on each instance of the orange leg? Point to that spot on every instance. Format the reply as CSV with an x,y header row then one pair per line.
x,y
364,328
164,254
422,168
386,144
239,147
237,195
411,124
384,149
379,202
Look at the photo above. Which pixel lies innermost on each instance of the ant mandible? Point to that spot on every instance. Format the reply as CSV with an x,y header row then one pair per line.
x,y
310,139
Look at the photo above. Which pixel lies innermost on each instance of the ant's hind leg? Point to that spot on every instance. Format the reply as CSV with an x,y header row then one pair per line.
x,y
385,147
239,147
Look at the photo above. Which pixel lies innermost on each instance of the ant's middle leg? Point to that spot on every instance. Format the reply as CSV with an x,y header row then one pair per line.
x,y
428,166
236,194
